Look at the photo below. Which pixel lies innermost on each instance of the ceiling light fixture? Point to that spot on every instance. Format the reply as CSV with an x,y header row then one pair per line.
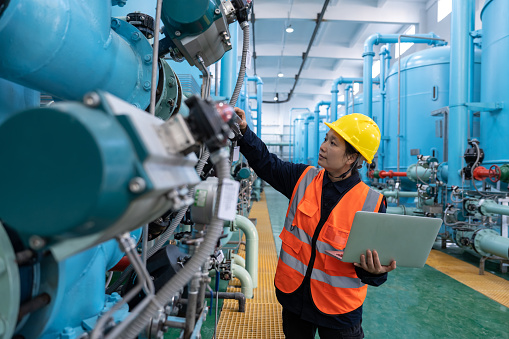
x,y
276,98
289,29
280,75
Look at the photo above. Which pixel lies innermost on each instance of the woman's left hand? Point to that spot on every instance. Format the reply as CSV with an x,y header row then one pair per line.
x,y
371,263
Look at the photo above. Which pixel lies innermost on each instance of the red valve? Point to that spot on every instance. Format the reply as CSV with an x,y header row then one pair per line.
x,y
481,173
391,174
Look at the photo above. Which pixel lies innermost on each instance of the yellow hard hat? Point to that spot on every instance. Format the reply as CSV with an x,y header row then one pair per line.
x,y
360,131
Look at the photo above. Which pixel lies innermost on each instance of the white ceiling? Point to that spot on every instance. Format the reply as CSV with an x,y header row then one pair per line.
x,y
338,46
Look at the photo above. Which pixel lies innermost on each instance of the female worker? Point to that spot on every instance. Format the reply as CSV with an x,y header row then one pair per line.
x,y
318,291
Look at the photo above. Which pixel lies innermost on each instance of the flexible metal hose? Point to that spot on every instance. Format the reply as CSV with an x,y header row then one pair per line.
x,y
163,238
173,286
242,70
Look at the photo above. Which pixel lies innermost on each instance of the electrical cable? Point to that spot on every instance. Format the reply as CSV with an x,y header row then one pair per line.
x,y
242,70
178,281
163,238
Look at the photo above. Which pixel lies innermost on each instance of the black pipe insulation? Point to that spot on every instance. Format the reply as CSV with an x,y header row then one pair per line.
x,y
230,295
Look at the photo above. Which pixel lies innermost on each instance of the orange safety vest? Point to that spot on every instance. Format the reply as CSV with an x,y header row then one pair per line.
x,y
335,287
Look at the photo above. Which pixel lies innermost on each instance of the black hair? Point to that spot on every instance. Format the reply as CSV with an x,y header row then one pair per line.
x,y
349,151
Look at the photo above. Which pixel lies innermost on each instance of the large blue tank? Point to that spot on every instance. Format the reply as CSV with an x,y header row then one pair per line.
x,y
424,88
312,156
359,105
495,81
299,139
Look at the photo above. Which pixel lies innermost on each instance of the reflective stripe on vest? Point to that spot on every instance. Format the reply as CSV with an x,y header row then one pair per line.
x,y
335,287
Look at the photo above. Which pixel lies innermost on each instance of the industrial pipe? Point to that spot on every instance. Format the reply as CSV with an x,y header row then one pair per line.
x,y
388,174
259,101
245,278
229,63
238,260
317,123
306,137
493,173
403,210
399,194
485,242
334,91
230,295
418,173
385,55
368,54
462,23
249,229
119,56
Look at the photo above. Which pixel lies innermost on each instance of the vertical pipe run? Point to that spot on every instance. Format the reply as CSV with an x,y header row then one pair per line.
x,y
259,102
292,132
229,65
317,125
384,51
462,24
347,97
155,58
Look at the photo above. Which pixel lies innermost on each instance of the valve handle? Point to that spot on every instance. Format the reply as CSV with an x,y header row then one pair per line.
x,y
495,173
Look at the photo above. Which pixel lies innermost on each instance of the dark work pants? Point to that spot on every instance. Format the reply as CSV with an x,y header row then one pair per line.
x,y
296,328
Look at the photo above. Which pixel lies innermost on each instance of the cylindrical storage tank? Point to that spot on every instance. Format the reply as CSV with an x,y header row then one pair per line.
x,y
424,88
359,105
309,157
299,141
495,81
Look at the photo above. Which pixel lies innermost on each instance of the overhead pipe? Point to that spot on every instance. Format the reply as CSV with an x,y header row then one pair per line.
x,y
292,131
375,39
119,56
462,49
259,101
334,91
317,123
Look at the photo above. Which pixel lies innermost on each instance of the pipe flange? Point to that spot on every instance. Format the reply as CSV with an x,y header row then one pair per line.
x,y
141,96
477,237
170,97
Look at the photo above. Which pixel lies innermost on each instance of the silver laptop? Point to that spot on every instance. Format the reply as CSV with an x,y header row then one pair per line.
x,y
406,239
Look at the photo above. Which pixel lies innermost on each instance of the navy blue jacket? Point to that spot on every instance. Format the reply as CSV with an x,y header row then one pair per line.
x,y
283,176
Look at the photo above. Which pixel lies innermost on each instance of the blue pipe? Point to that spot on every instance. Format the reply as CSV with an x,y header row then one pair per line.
x,y
229,66
15,98
77,53
368,54
348,88
317,125
306,138
296,151
292,131
259,101
334,91
384,52
462,23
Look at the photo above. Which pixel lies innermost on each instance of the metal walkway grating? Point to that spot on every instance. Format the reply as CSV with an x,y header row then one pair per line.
x,y
488,284
262,319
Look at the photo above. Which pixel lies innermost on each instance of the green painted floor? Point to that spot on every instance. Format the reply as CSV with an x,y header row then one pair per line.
x,y
418,303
